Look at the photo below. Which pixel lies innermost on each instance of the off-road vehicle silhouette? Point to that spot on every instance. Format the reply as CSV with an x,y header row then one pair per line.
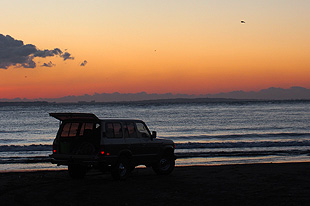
x,y
84,141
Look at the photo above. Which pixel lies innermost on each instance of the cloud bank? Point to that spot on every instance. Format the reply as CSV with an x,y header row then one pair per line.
x,y
15,53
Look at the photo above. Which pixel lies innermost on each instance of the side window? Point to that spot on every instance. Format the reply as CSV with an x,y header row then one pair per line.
x,y
109,131
73,130
87,129
126,133
114,130
130,130
70,130
65,130
142,130
118,132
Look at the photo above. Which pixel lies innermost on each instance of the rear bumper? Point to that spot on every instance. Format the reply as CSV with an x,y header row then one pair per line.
x,y
64,159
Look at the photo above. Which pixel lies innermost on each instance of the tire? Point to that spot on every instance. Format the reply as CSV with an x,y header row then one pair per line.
x,y
164,165
122,169
77,171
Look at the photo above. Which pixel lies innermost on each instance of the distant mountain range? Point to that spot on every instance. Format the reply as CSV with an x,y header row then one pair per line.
x,y
272,93
293,93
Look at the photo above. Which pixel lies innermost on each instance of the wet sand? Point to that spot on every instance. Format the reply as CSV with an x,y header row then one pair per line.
x,y
253,184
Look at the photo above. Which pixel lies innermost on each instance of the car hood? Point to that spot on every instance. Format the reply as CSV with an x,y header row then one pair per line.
x,y
164,141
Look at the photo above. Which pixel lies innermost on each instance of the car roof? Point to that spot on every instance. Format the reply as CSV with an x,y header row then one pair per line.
x,y
120,119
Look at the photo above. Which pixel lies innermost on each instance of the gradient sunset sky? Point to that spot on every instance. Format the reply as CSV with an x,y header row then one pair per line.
x,y
156,46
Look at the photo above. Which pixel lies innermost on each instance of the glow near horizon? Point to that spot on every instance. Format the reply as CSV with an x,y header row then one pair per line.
x,y
193,47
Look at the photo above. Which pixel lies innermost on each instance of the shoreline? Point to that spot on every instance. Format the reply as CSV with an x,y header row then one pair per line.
x,y
64,168
241,184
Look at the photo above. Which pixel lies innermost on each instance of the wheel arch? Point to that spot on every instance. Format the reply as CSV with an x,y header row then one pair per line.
x,y
168,150
125,153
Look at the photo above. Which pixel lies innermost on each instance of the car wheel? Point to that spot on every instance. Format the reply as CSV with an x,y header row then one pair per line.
x,y
77,171
164,165
121,169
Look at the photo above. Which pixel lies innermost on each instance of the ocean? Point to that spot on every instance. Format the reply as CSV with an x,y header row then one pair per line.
x,y
205,133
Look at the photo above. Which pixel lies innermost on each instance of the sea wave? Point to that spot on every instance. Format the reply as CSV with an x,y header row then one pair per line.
x,y
14,154
10,140
33,147
183,145
243,153
179,155
12,131
25,160
240,136
231,144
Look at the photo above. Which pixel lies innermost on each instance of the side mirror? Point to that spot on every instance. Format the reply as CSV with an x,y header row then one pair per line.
x,y
154,134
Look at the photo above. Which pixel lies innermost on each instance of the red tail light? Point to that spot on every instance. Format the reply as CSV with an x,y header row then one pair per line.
x,y
54,147
102,152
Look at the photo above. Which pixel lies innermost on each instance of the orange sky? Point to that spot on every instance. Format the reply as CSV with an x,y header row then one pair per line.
x,y
181,46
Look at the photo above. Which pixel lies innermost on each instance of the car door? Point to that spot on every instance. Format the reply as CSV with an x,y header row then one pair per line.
x,y
132,140
149,148
113,141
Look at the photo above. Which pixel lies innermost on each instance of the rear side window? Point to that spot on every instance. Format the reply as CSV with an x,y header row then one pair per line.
x,y
114,130
70,130
86,129
130,130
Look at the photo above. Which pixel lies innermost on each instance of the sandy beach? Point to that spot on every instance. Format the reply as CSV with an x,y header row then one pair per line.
x,y
253,184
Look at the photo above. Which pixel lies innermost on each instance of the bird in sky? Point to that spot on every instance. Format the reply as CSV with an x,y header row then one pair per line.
x,y
242,22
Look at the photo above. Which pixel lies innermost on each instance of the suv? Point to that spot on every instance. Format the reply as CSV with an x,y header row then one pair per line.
x,y
84,141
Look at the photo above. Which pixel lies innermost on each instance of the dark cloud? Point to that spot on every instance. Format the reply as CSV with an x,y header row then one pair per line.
x,y
49,64
47,53
15,53
83,63
66,56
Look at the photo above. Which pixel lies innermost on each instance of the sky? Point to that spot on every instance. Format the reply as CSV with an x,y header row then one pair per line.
x,y
50,49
